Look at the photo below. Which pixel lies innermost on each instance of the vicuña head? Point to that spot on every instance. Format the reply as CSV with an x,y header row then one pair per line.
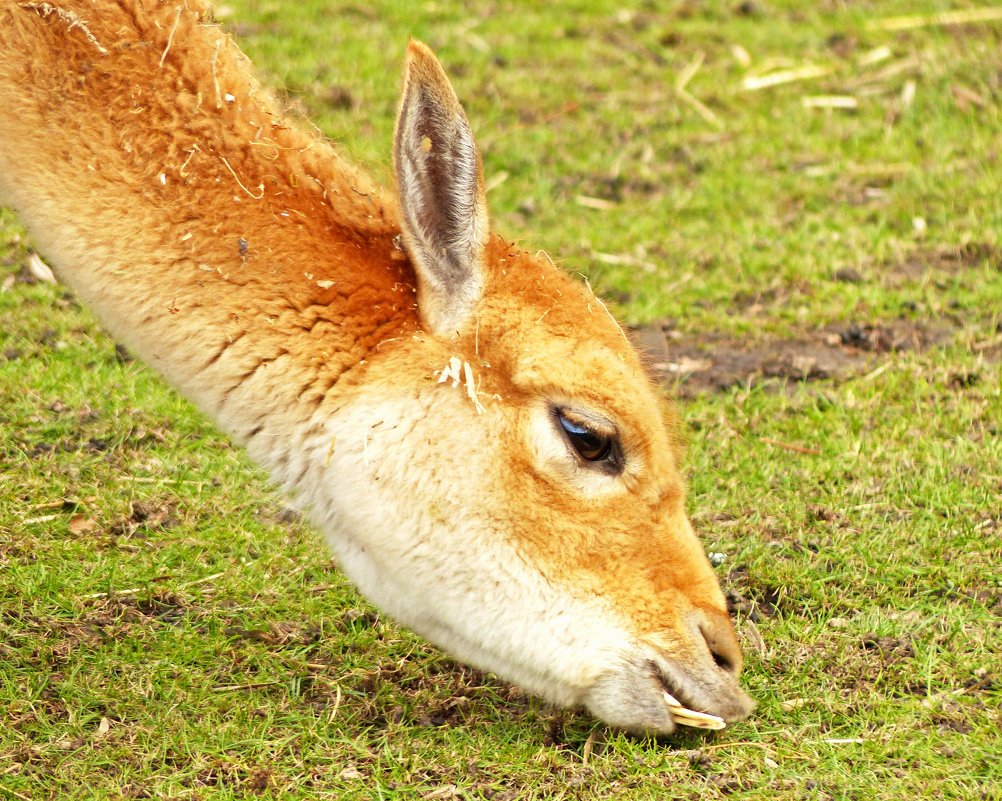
x,y
469,427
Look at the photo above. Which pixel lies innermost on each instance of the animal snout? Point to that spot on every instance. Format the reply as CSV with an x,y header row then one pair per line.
x,y
722,643
717,632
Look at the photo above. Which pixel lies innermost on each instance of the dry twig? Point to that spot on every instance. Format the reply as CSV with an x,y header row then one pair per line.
x,y
226,688
39,269
961,16
69,17
755,82
831,101
789,447
594,203
43,519
682,81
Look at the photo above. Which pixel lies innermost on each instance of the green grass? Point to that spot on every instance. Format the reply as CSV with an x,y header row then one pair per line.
x,y
169,629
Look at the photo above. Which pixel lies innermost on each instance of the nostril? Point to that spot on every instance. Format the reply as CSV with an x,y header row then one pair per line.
x,y
722,644
722,661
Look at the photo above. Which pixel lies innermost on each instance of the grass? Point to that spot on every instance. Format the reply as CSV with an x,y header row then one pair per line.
x,y
169,629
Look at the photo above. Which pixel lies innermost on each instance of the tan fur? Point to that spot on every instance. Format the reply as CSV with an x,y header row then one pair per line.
x,y
265,277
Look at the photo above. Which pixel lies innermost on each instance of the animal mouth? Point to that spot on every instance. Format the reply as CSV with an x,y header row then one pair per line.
x,y
683,716
672,686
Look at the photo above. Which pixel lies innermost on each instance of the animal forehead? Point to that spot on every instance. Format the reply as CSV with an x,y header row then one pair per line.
x,y
553,333
598,375
576,361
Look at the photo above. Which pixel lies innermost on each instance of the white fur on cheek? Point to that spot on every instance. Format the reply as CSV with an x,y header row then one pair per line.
x,y
427,544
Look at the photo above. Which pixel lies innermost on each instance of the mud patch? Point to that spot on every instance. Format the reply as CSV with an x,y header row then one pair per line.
x,y
944,260
145,517
697,364
891,649
752,599
281,635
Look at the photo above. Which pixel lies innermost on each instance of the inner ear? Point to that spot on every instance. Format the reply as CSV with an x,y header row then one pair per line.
x,y
442,199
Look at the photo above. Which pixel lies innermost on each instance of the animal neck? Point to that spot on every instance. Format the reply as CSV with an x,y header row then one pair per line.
x,y
234,251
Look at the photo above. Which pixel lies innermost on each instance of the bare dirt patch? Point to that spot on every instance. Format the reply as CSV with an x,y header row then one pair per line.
x,y
948,260
695,364
145,517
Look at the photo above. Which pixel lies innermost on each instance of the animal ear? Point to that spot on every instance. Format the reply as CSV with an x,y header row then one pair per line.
x,y
442,199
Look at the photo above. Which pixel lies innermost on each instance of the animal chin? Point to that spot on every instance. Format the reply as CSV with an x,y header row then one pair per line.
x,y
655,694
705,697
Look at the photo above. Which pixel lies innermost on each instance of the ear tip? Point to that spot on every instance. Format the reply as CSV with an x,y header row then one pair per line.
x,y
423,69
420,55
417,47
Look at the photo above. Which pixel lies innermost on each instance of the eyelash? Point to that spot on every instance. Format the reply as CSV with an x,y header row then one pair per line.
x,y
592,447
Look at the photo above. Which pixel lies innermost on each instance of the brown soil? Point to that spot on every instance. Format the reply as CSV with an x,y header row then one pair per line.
x,y
694,364
943,260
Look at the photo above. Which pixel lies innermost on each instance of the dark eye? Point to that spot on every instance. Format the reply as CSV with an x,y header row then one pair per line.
x,y
591,445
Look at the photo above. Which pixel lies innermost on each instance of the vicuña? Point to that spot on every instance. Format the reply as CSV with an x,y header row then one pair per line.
x,y
468,426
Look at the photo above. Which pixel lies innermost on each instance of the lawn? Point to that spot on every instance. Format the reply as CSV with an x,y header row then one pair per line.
x,y
796,209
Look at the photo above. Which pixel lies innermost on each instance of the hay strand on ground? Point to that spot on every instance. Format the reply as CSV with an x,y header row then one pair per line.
x,y
962,16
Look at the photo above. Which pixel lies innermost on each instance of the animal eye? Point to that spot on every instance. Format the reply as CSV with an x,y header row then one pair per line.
x,y
591,445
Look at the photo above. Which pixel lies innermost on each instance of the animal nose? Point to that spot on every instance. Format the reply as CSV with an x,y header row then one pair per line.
x,y
719,635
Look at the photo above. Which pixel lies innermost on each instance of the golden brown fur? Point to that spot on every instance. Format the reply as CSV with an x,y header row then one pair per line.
x,y
201,180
